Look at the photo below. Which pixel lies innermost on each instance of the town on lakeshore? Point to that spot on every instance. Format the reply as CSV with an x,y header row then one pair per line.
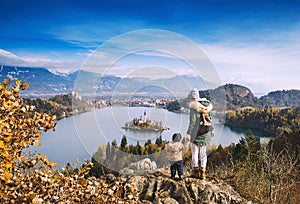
x,y
155,102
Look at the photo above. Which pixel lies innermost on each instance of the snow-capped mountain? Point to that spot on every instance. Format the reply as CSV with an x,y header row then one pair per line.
x,y
42,81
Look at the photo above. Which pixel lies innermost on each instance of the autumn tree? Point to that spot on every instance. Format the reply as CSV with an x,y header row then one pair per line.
x,y
20,127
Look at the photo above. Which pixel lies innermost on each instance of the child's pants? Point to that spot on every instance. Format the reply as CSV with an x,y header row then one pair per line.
x,y
196,151
178,165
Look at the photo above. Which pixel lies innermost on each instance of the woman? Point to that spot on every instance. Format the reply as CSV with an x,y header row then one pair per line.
x,y
199,107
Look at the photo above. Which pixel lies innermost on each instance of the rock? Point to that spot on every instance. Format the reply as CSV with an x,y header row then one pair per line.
x,y
144,164
161,189
141,167
168,201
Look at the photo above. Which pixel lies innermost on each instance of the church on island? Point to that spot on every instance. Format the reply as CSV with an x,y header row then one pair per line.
x,y
143,123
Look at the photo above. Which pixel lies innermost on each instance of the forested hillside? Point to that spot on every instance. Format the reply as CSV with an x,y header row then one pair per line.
x,y
285,98
63,105
272,120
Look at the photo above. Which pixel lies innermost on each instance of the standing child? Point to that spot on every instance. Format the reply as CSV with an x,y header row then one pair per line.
x,y
175,151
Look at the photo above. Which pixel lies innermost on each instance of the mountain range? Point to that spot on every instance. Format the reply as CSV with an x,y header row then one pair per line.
x,y
45,83
42,81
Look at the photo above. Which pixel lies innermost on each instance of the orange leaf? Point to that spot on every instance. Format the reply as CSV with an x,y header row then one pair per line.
x,y
7,175
1,144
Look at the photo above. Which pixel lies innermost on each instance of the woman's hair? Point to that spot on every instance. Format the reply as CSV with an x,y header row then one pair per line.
x,y
176,137
193,94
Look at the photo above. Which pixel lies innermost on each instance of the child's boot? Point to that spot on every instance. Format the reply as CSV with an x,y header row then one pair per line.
x,y
203,174
195,172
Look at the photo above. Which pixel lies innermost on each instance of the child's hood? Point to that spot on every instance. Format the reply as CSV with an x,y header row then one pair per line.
x,y
202,105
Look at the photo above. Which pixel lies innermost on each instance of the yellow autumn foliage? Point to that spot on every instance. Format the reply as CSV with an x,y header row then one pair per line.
x,y
19,126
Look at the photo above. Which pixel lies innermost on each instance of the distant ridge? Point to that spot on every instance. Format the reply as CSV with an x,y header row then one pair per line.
x,y
284,98
42,81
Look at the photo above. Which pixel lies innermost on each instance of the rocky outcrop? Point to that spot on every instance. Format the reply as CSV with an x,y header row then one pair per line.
x,y
154,185
159,188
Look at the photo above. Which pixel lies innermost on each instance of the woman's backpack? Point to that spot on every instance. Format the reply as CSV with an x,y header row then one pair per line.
x,y
202,128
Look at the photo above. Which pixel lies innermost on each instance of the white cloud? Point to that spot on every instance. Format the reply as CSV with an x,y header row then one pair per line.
x,y
155,54
260,67
92,34
30,60
5,53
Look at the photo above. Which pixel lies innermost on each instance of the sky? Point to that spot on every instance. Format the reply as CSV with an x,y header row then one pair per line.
x,y
252,43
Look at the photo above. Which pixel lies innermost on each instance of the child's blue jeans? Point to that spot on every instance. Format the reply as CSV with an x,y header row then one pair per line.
x,y
177,166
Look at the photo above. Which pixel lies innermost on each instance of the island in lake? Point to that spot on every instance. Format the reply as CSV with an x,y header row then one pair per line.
x,y
143,123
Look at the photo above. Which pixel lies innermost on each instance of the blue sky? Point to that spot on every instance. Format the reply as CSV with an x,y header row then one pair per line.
x,y
253,43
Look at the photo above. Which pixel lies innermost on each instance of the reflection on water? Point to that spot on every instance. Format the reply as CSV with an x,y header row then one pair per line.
x,y
265,137
244,130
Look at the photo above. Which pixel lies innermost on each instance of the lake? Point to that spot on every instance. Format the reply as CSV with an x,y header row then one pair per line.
x,y
79,136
